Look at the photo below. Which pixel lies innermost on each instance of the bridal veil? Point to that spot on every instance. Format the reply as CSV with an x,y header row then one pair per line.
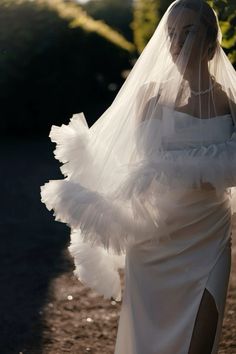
x,y
117,172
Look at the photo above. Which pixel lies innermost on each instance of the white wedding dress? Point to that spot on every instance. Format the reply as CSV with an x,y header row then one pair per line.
x,y
165,281
164,284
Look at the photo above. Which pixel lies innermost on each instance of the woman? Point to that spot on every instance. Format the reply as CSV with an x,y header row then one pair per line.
x,y
152,183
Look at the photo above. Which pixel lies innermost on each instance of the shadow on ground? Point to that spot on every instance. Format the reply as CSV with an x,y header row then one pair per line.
x,y
32,244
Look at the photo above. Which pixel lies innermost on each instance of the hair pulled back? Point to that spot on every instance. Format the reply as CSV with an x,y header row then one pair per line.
x,y
207,17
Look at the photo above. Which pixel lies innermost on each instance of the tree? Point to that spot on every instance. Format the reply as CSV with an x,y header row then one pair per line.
x,y
54,61
147,14
226,11
144,22
116,13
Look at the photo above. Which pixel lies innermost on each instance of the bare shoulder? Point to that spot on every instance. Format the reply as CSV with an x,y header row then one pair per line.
x,y
221,100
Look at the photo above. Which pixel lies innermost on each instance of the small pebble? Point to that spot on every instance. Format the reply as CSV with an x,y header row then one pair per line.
x,y
88,319
230,312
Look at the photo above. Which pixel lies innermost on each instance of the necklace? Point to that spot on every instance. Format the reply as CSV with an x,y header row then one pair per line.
x,y
198,93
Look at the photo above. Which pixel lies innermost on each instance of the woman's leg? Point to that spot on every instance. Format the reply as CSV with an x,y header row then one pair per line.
x,y
209,319
205,326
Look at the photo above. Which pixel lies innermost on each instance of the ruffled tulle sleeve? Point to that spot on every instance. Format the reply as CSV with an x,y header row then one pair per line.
x,y
73,203
107,212
104,220
181,165
214,163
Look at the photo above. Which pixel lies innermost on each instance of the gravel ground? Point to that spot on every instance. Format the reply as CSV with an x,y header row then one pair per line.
x,y
78,321
43,307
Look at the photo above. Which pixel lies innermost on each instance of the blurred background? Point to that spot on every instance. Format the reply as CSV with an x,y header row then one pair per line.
x,y
57,58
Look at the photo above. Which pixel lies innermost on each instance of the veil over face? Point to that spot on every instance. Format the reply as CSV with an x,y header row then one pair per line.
x,y
160,135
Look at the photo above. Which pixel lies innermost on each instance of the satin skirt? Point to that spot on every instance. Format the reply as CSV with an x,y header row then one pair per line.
x,y
164,282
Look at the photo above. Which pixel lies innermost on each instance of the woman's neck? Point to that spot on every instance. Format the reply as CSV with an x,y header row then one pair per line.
x,y
199,78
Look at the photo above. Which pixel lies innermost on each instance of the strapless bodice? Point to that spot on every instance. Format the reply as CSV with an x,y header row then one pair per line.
x,y
192,129
180,130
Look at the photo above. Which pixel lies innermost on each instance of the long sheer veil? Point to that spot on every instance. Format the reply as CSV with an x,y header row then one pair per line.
x,y
153,141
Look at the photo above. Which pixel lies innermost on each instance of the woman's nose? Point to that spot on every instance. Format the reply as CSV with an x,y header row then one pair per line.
x,y
178,42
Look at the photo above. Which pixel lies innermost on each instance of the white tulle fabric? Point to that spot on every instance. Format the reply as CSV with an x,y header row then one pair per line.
x,y
95,267
118,171
107,226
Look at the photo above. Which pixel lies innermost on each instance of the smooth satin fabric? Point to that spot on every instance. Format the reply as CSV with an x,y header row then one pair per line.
x,y
164,282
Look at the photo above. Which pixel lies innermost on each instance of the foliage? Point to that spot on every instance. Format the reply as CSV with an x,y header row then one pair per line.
x,y
145,21
116,13
147,14
53,64
78,18
226,11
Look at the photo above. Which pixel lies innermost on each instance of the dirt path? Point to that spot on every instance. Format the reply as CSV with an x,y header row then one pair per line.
x,y
79,322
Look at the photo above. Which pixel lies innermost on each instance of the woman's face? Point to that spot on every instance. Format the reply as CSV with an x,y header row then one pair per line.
x,y
187,38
